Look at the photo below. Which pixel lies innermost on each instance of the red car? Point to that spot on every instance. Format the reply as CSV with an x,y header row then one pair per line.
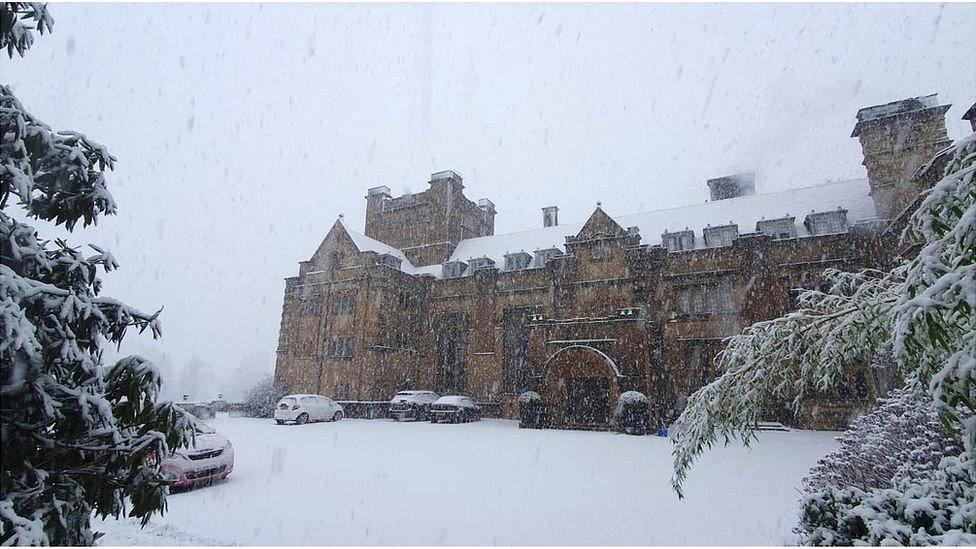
x,y
210,458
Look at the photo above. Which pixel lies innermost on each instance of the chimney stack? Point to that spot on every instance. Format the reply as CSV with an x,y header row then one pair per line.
x,y
550,216
896,139
732,186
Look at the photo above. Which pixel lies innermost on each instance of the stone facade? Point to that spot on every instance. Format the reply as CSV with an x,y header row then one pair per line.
x,y
430,298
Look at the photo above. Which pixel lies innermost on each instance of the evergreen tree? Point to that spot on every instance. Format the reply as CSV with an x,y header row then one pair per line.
x,y
79,437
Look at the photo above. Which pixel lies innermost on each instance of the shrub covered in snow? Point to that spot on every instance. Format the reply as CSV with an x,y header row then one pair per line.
x,y
924,307
633,413
936,508
902,439
532,410
260,400
77,434
884,481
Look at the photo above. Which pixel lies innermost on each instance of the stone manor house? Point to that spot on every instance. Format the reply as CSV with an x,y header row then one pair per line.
x,y
429,297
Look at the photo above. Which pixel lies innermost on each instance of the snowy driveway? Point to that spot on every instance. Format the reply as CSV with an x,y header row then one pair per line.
x,y
359,482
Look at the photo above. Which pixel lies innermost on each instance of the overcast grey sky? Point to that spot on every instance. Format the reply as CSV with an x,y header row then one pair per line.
x,y
242,131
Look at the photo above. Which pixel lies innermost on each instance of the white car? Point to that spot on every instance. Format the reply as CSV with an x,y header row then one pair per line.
x,y
415,404
304,408
209,458
454,408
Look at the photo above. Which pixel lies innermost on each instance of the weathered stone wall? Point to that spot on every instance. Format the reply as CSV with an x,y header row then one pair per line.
x,y
610,311
610,299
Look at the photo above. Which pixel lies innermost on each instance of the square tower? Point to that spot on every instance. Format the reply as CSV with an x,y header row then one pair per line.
x,y
428,225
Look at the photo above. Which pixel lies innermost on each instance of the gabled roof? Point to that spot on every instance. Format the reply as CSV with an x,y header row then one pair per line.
x,y
599,224
367,244
744,211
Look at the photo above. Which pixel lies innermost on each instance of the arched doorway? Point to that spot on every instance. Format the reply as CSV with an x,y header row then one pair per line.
x,y
581,386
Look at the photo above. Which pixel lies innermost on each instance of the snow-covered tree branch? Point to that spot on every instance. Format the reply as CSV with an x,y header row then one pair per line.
x,y
79,437
924,307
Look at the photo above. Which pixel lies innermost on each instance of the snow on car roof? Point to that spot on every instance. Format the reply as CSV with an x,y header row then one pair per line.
x,y
450,399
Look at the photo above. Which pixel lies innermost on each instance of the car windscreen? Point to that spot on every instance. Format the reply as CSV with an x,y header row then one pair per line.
x,y
288,401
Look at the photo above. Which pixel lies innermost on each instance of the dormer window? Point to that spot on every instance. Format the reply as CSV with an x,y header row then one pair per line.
x,y
481,264
833,222
722,235
454,269
542,257
389,260
517,261
779,229
681,240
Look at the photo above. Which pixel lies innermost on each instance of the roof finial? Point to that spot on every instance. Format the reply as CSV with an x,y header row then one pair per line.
x,y
341,217
599,204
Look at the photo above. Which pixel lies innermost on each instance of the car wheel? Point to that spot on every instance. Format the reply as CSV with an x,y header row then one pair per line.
x,y
337,416
280,421
302,419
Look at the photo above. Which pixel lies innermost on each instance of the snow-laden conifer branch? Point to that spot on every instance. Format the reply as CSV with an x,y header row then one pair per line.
x,y
16,31
79,437
783,359
55,176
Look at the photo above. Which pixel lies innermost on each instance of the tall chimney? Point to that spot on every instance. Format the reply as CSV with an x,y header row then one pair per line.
x,y
732,186
550,216
376,197
896,139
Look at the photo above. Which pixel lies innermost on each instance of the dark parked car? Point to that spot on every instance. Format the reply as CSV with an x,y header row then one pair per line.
x,y
455,409
412,404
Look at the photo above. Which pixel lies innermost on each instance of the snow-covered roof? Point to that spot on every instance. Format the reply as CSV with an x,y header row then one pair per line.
x,y
898,107
745,211
367,244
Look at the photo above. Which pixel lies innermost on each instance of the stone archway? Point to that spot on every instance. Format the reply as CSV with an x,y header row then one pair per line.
x,y
581,386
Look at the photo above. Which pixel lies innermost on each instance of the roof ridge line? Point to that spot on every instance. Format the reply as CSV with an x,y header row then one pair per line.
x,y
617,217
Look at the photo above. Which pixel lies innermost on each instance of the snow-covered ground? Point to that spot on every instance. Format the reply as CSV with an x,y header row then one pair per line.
x,y
359,482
